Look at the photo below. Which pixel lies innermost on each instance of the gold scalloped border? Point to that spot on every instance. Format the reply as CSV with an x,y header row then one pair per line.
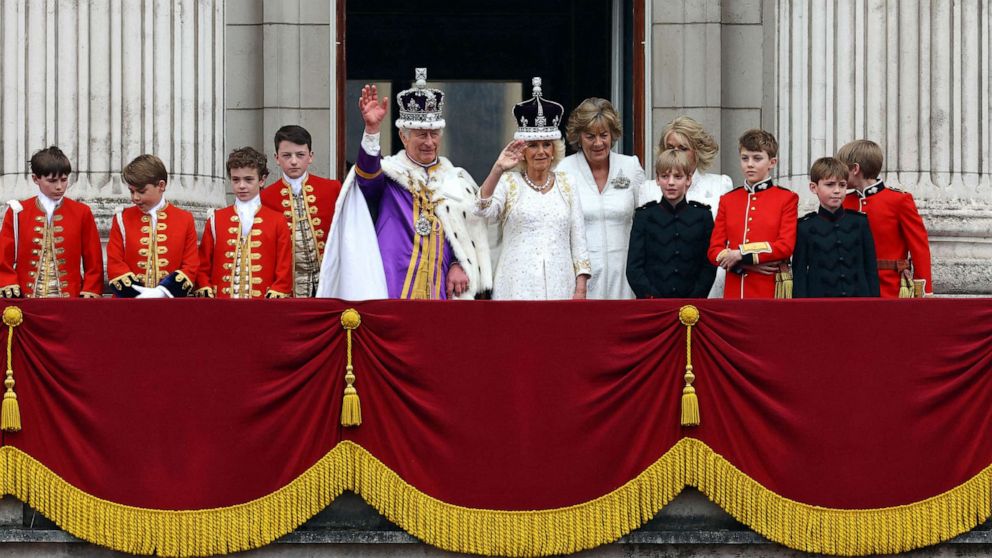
x,y
494,532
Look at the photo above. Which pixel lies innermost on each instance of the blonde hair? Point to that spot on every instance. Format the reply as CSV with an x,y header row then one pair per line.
x,y
865,153
591,112
827,167
559,146
673,159
700,141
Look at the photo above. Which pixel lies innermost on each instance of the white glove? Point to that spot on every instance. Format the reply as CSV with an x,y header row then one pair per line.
x,y
153,292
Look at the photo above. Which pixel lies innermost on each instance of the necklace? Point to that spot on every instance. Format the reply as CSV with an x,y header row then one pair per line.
x,y
542,188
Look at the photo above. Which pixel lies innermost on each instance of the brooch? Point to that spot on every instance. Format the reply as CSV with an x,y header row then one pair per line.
x,y
620,182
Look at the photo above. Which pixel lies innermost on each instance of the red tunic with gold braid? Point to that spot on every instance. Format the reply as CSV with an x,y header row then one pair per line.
x,y
61,258
309,216
760,221
164,256
234,265
901,240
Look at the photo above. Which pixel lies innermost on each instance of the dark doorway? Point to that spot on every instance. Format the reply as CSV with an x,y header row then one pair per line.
x,y
483,54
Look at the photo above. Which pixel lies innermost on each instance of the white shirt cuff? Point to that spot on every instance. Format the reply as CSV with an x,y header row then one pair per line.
x,y
370,143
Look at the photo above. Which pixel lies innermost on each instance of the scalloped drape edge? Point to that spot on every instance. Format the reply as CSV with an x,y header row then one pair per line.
x,y
496,532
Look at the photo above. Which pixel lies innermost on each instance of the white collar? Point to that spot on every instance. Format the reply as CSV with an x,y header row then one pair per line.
x,y
246,212
611,176
250,205
296,183
49,205
153,212
158,207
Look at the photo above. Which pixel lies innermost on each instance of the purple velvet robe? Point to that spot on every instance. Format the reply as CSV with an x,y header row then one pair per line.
x,y
395,228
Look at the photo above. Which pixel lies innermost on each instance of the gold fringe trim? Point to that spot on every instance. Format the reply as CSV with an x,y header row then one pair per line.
x,y
493,532
173,533
844,532
518,533
346,467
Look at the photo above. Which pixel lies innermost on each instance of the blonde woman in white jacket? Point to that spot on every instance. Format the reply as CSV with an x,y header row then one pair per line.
x,y
608,185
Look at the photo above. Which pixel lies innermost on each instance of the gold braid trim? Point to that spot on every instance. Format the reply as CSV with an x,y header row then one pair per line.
x,y
492,532
125,280
367,175
185,283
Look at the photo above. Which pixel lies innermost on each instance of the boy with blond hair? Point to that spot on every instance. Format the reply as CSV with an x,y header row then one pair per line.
x,y
835,253
901,242
755,228
152,248
668,239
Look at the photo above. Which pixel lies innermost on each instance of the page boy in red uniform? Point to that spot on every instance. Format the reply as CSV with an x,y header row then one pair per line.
x,y
49,245
246,251
152,248
755,228
901,243
307,203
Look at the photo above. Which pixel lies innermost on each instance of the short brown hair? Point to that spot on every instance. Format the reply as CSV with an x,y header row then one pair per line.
x,y
144,170
248,157
593,111
758,140
827,167
50,161
864,153
673,159
699,140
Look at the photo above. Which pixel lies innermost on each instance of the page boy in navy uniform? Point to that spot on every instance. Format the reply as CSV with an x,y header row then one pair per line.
x,y
669,238
835,253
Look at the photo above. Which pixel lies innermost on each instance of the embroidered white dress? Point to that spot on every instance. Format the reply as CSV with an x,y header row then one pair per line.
x,y
706,188
608,218
544,243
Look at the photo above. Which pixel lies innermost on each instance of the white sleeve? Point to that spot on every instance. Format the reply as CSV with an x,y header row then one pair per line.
x,y
492,207
577,238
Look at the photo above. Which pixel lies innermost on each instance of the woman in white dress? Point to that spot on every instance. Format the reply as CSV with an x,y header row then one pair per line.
x,y
608,185
687,135
540,217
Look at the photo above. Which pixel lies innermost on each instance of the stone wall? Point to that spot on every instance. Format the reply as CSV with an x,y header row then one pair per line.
x,y
279,71
107,81
913,76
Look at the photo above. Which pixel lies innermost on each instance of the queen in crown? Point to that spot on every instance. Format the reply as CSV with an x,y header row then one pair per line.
x,y
544,253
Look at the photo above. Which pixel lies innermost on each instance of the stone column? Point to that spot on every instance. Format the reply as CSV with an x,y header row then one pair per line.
x,y
107,80
914,76
281,71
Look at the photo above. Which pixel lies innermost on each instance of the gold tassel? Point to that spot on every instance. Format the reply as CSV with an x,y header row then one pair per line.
x,y
787,284
905,287
689,315
351,407
10,410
